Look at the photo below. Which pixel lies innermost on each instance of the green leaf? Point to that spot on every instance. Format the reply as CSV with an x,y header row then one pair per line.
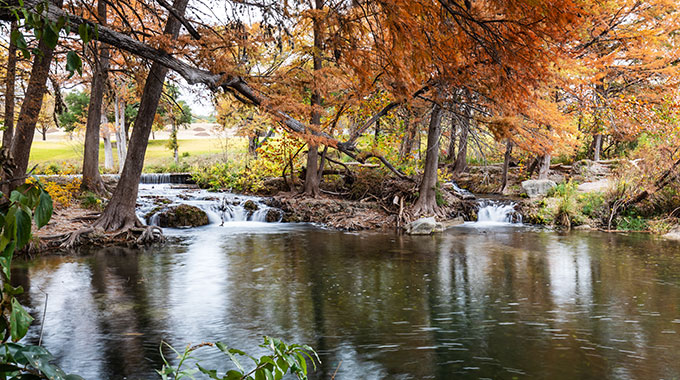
x,y
43,212
222,347
12,291
19,321
210,372
233,375
23,223
74,63
40,359
6,259
84,32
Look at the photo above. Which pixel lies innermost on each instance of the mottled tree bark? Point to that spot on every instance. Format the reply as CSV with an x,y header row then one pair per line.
x,y
597,147
312,178
427,198
30,109
506,165
451,154
120,211
545,166
121,139
461,159
10,81
92,180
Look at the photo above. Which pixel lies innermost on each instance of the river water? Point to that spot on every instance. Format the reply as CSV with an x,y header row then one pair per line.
x,y
476,302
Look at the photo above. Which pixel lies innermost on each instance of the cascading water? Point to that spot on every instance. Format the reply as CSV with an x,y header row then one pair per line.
x,y
220,208
495,212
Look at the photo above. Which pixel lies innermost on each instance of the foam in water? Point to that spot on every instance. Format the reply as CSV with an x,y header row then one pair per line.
x,y
221,208
494,212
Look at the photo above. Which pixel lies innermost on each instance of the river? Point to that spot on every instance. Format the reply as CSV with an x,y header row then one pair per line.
x,y
475,302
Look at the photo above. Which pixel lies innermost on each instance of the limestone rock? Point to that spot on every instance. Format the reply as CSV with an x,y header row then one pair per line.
x,y
424,226
182,216
537,187
273,215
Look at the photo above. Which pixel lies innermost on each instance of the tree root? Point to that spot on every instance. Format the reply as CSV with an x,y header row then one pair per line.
x,y
73,238
130,236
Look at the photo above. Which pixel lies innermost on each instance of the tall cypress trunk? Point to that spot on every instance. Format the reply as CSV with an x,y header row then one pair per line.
x,y
92,180
506,165
120,211
108,151
451,154
545,166
461,159
10,81
121,139
597,147
407,143
427,199
312,179
30,109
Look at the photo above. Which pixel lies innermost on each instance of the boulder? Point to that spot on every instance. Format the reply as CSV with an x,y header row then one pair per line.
x,y
250,205
537,187
673,234
594,187
182,216
424,226
273,215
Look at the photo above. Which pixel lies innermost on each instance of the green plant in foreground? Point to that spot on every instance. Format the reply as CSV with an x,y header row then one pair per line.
x,y
283,359
18,361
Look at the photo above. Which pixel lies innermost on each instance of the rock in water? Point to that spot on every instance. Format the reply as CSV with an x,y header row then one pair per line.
x,y
250,206
424,226
537,187
273,215
182,216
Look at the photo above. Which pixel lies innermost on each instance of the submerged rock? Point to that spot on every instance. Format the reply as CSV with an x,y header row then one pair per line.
x,y
182,216
537,187
424,226
250,205
273,215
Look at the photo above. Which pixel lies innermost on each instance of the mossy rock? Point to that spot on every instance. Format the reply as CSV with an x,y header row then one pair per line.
x,y
183,216
250,205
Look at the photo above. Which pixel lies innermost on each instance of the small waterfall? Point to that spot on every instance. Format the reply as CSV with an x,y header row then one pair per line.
x,y
221,208
161,178
491,211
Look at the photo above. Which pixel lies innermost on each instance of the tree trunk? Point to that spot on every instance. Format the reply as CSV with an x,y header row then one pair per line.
x,y
407,144
30,109
312,179
545,166
597,147
451,154
92,180
108,151
461,159
43,132
121,139
506,165
120,211
427,199
175,148
10,81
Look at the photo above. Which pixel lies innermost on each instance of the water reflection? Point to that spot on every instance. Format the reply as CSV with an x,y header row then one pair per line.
x,y
472,303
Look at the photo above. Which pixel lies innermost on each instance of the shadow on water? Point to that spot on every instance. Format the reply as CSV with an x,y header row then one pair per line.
x,y
502,302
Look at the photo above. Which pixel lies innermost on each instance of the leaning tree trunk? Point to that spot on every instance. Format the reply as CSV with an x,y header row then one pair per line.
x,y
312,179
10,81
506,165
461,159
427,199
120,211
30,110
545,166
92,180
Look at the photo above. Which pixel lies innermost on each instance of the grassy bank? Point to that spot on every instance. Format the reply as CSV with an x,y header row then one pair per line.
x,y
67,155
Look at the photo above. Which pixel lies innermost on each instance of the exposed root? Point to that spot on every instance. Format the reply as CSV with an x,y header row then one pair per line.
x,y
74,238
151,234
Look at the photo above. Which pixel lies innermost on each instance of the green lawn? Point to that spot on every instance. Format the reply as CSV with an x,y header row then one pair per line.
x,y
70,152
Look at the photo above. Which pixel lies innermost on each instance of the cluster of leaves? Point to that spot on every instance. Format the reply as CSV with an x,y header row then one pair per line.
x,y
28,202
567,207
283,359
63,194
